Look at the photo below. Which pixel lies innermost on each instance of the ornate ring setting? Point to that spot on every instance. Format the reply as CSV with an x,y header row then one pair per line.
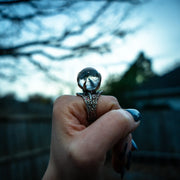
x,y
89,80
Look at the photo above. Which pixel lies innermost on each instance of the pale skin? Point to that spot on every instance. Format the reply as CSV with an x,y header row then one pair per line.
x,y
78,150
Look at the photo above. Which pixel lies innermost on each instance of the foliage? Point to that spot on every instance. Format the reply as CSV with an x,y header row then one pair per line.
x,y
139,72
38,98
9,96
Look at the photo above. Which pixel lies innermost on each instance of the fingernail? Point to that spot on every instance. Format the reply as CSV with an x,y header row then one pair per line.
x,y
134,146
129,156
135,113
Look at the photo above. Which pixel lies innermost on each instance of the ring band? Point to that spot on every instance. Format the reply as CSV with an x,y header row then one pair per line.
x,y
91,101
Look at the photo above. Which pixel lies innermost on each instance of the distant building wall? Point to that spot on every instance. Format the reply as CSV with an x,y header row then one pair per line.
x,y
159,98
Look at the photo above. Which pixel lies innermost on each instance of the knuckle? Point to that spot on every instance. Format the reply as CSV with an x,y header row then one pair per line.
x,y
60,99
114,102
63,100
123,117
60,103
114,99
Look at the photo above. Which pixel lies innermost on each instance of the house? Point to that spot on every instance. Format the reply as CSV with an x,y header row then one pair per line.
x,y
162,92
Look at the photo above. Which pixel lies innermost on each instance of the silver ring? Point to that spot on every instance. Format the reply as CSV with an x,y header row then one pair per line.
x,y
89,81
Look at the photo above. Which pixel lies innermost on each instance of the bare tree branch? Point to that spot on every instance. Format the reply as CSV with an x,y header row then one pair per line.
x,y
20,17
10,2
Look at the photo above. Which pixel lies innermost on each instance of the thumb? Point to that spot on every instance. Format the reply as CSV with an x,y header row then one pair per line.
x,y
110,128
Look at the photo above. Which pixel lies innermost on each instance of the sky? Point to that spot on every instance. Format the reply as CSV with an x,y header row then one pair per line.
x,y
158,38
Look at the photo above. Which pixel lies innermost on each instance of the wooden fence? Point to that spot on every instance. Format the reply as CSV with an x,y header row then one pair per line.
x,y
25,140
24,148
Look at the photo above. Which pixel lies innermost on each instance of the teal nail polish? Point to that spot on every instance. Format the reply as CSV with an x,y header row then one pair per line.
x,y
135,113
134,145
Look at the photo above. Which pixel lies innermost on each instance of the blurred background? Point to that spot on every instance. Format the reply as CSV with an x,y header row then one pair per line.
x,y
134,44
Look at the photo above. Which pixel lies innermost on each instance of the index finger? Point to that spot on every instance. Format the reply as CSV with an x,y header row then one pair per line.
x,y
106,104
69,112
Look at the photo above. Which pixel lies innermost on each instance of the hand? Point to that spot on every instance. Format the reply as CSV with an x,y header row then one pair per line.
x,y
78,151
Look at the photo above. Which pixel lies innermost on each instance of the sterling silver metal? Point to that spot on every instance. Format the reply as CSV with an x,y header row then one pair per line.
x,y
89,81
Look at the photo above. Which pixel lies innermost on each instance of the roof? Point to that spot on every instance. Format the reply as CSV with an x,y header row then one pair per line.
x,y
168,80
